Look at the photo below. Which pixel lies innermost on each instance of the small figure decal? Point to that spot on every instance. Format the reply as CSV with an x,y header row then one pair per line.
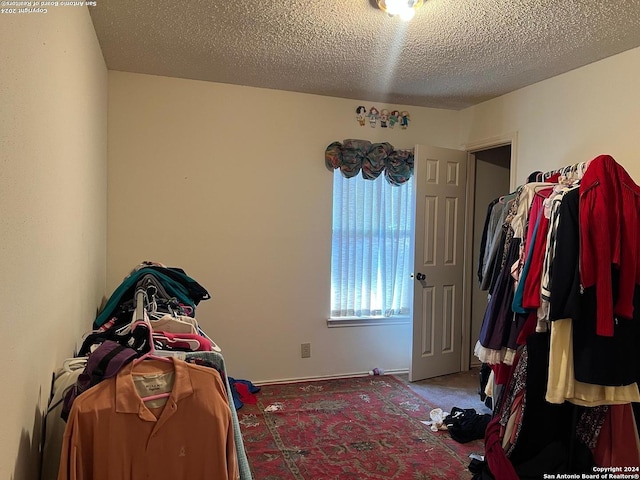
x,y
384,117
373,116
393,119
361,114
404,119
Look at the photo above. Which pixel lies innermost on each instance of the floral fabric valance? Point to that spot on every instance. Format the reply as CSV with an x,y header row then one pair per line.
x,y
354,156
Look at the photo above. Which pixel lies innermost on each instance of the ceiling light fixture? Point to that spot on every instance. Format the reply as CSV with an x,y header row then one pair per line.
x,y
405,9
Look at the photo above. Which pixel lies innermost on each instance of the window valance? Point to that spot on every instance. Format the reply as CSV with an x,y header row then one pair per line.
x,y
354,156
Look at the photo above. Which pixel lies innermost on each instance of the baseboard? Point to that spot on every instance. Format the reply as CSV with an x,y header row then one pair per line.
x,y
398,371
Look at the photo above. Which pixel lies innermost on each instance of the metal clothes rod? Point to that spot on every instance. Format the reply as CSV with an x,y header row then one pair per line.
x,y
140,304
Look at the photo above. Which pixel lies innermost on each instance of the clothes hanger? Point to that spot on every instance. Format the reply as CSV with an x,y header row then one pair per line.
x,y
582,168
151,356
193,343
141,318
214,345
538,188
171,324
158,396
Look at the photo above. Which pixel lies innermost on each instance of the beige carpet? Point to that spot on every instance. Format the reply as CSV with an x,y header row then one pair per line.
x,y
456,390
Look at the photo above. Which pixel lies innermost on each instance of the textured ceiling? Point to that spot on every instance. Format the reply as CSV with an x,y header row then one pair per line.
x,y
453,54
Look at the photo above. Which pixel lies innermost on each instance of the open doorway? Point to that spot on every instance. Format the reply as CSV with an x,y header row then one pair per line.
x,y
492,177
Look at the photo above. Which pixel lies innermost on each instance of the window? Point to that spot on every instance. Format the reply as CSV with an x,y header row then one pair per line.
x,y
371,257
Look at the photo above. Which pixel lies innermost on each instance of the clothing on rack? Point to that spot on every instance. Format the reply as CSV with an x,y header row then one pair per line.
x,y
568,287
176,284
169,296
183,341
216,360
112,434
136,400
617,443
609,236
500,326
64,379
562,382
599,360
490,249
137,339
105,362
483,239
499,318
174,324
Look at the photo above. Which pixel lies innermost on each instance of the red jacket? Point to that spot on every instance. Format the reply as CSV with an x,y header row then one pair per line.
x,y
609,236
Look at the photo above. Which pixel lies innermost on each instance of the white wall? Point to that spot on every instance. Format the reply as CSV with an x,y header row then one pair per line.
x,y
567,119
229,183
53,87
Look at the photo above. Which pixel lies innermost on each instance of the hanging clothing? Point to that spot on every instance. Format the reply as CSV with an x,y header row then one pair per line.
x,y
533,281
491,255
542,423
183,341
601,360
562,384
552,208
64,379
532,235
577,274
618,444
176,283
487,231
216,360
520,221
105,362
498,318
113,435
609,236
171,324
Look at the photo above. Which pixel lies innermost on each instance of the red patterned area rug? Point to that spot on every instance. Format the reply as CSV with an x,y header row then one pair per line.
x,y
354,428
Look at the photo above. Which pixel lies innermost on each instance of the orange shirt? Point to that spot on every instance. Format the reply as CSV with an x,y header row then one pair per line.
x,y
112,435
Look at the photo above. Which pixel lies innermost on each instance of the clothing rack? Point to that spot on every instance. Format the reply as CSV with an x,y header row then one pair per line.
x,y
576,442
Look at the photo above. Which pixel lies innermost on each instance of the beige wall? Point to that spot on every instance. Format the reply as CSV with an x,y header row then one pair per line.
x,y
229,183
53,87
569,118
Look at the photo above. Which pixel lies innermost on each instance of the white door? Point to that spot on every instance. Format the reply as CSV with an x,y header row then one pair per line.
x,y
440,187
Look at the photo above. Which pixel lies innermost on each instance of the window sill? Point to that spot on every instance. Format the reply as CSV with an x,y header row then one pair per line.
x,y
367,321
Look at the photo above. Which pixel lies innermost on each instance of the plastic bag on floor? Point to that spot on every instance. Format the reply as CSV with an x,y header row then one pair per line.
x,y
437,420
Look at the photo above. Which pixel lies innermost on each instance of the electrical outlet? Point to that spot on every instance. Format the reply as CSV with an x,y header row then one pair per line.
x,y
305,350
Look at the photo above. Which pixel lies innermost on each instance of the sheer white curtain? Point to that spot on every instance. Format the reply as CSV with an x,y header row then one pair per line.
x,y
371,248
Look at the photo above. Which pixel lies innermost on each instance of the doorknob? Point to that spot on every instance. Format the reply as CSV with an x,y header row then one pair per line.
x,y
420,276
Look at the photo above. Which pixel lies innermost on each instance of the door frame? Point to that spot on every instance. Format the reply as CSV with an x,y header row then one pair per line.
x,y
510,138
